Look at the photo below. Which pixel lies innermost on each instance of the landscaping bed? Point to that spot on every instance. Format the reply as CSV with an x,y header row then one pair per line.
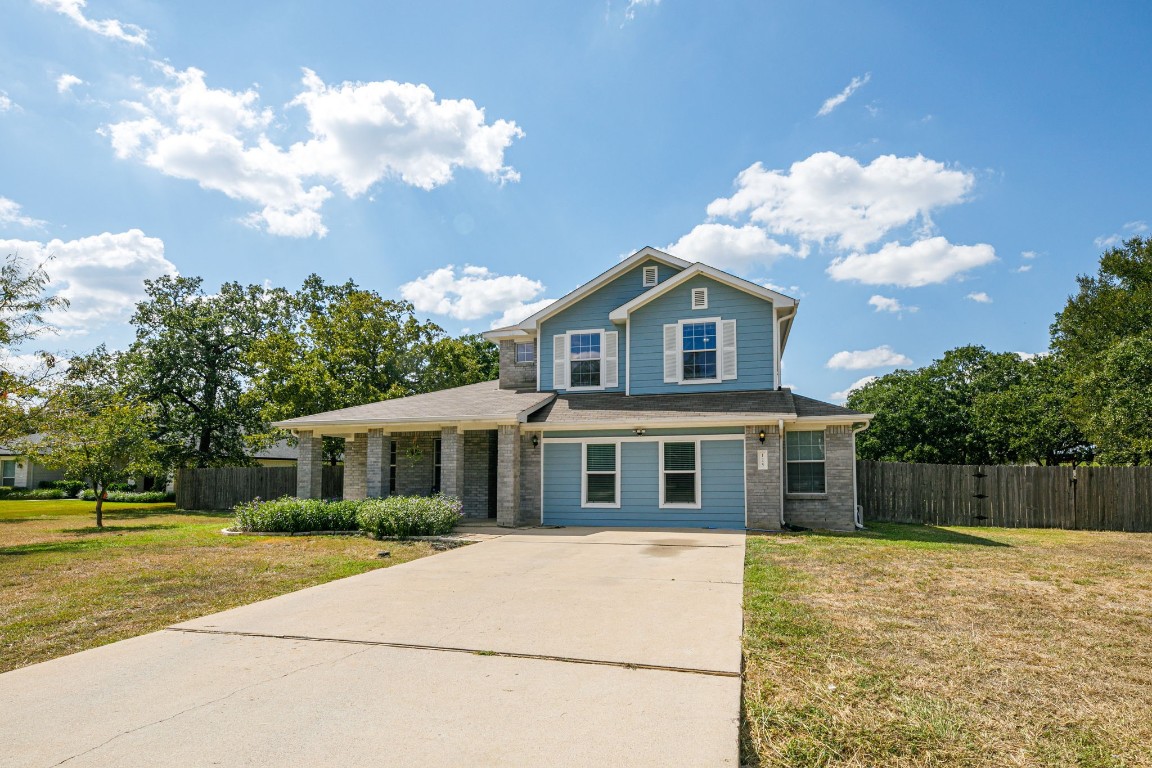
x,y
390,517
921,646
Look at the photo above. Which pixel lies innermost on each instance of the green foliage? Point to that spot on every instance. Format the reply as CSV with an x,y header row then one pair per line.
x,y
139,497
410,515
70,487
1103,334
191,360
292,515
36,493
971,406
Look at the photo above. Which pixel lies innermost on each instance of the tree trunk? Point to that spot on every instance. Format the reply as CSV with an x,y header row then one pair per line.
x,y
100,509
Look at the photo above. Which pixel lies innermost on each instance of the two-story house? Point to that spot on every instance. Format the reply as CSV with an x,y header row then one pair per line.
x,y
649,396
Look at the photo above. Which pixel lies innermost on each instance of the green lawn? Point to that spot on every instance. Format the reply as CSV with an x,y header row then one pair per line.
x,y
66,585
920,646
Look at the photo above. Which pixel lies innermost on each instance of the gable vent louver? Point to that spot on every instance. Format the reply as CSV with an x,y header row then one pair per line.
x,y
650,276
699,298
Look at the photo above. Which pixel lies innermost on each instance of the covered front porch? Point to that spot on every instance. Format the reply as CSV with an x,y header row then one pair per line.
x,y
491,468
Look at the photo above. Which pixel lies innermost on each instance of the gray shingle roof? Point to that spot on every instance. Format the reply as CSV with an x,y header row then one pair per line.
x,y
474,402
749,407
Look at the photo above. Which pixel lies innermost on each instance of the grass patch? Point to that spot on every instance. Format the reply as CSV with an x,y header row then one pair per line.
x,y
66,587
921,646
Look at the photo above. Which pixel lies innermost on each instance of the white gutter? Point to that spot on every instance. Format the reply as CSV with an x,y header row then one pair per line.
x,y
778,337
857,512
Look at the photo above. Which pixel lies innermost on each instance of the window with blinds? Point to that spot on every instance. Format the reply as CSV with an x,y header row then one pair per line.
x,y
804,452
601,474
680,475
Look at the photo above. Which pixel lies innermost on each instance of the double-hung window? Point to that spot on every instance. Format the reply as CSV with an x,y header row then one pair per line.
x,y
679,475
8,470
584,359
601,475
699,351
804,452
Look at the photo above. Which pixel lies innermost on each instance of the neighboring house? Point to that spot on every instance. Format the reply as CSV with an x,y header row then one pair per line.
x,y
280,454
18,470
650,396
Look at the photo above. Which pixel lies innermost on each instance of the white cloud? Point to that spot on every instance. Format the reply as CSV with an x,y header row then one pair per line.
x,y
830,197
885,304
471,292
1136,227
630,11
518,312
1106,241
788,290
729,247
1030,355
66,82
979,297
10,213
1028,254
360,134
102,275
840,397
879,357
6,103
1130,229
117,30
924,262
1024,268
834,101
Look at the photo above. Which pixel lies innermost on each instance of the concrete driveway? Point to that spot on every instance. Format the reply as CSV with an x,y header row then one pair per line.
x,y
574,647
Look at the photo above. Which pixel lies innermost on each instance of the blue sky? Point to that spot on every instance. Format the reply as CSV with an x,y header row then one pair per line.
x,y
919,175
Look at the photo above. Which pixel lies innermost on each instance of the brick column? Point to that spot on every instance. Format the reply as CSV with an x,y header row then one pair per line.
x,y
309,465
452,462
356,466
376,464
508,475
764,487
529,512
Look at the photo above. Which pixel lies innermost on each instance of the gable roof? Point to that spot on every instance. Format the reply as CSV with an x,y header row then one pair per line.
x,y
779,300
527,327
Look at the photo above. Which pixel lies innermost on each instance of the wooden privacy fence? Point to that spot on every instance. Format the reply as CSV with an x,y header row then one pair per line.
x,y
1089,498
225,487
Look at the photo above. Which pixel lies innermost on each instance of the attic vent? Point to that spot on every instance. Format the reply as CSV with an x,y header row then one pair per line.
x,y
699,298
649,276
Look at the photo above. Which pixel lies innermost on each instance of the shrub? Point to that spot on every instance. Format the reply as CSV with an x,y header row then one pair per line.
x,y
38,493
70,487
143,497
409,515
121,486
291,515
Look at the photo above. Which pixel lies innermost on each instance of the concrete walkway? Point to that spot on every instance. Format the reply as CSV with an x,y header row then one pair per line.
x,y
573,647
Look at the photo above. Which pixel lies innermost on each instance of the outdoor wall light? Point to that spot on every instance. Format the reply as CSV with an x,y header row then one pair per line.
x,y
762,436
639,431
535,441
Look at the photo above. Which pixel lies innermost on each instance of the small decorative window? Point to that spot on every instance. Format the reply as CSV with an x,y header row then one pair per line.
x,y
680,476
699,298
584,354
699,351
437,447
651,276
392,467
8,470
526,353
805,456
601,475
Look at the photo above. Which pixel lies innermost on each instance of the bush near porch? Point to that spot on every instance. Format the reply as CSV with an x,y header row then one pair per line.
x,y
392,516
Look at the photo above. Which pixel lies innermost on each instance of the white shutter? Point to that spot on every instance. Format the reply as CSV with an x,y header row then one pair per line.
x,y
611,363
727,349
671,353
560,361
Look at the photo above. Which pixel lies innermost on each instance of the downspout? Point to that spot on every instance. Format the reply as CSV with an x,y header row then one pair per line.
x,y
859,513
778,340
783,468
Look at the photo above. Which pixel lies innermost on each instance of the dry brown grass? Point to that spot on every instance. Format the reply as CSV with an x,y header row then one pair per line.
x,y
949,647
66,586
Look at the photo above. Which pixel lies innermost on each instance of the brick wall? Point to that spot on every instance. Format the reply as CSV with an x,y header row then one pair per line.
x,y
309,466
508,475
414,472
356,467
762,485
833,509
529,481
476,473
514,375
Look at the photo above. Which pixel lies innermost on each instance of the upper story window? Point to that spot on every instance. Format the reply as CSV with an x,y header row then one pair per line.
x,y
526,353
584,359
804,452
699,351
651,276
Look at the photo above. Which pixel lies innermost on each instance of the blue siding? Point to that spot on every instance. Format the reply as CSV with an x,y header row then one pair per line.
x,y
722,488
753,316
659,432
591,313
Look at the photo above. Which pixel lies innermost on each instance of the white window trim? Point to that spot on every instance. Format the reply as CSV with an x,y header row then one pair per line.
x,y
568,342
699,473
680,350
784,449
516,352
584,503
